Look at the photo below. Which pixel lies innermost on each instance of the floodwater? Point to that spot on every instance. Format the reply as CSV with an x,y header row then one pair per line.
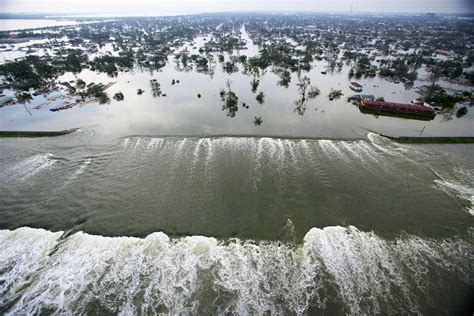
x,y
235,224
166,205
20,24
181,112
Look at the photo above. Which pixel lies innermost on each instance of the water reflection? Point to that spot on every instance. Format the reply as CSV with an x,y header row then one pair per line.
x,y
376,114
304,83
181,112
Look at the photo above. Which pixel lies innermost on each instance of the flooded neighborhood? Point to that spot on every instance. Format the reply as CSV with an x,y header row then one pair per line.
x,y
323,66
241,162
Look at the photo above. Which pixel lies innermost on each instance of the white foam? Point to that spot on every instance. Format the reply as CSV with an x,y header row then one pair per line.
x,y
329,148
261,143
138,141
367,150
83,167
289,144
460,182
196,150
31,166
154,143
210,149
281,151
352,148
368,269
377,142
270,146
181,276
126,142
181,146
22,252
303,144
462,190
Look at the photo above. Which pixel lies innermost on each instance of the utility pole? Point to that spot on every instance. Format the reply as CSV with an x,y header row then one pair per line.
x,y
422,130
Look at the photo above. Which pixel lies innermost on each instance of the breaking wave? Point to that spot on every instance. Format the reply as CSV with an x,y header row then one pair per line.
x,y
30,166
335,270
82,168
283,151
461,184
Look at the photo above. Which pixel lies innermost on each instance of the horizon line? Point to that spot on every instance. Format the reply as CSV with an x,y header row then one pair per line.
x,y
52,15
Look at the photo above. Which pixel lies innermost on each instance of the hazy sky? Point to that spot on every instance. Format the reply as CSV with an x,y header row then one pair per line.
x,y
161,7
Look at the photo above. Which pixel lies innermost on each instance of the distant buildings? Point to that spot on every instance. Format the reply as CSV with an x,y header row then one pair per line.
x,y
442,52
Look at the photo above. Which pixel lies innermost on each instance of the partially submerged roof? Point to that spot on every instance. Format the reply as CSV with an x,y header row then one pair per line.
x,y
402,106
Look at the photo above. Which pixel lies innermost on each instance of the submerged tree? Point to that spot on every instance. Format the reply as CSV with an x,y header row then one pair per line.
x,y
313,92
438,96
95,91
254,83
230,67
257,121
80,84
155,88
303,84
285,77
300,106
461,112
335,94
103,97
260,97
351,73
24,97
118,96
230,99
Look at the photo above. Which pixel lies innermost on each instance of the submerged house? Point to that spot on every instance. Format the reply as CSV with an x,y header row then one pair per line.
x,y
5,100
410,111
360,97
355,86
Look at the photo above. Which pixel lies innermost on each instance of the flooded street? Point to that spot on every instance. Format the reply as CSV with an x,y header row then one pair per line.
x,y
180,112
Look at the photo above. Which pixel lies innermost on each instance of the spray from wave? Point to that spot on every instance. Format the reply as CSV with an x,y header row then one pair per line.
x,y
460,183
335,270
31,166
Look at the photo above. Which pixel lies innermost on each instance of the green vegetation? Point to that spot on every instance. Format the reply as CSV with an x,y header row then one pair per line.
x,y
257,121
155,88
254,83
23,97
437,96
313,92
260,97
288,46
335,94
118,96
285,77
230,67
363,68
461,112
230,100
303,84
97,91
446,68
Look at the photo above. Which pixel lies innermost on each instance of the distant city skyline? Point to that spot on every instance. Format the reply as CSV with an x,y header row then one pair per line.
x,y
166,7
